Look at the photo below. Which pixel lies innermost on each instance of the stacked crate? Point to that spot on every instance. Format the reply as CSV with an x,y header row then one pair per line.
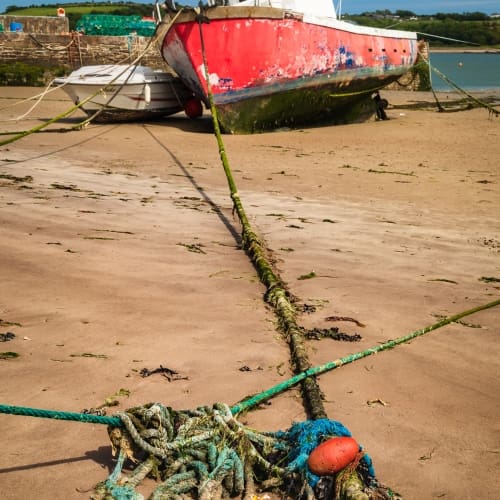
x,y
114,25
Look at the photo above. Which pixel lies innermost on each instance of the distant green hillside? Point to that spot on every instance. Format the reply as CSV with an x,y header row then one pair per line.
x,y
74,11
474,28
69,8
125,8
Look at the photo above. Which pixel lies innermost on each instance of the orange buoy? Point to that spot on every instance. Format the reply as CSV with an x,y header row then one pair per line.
x,y
193,108
332,455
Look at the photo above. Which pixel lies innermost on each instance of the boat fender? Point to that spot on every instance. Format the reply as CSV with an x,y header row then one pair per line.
x,y
147,93
193,108
332,455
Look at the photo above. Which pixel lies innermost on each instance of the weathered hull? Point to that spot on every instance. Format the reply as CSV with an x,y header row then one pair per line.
x,y
269,68
326,104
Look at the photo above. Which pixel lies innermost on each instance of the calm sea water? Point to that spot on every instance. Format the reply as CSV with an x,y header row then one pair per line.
x,y
470,71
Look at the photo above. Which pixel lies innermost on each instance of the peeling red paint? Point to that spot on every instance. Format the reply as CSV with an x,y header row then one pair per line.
x,y
253,56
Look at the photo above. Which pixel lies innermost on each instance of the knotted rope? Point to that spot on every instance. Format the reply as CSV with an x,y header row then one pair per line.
x,y
207,453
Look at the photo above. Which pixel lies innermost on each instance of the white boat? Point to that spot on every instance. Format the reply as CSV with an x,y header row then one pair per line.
x,y
127,93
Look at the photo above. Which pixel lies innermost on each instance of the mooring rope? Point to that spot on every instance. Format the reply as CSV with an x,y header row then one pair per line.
x,y
332,365
48,89
68,112
276,294
207,450
48,46
359,92
59,415
208,453
55,119
447,80
246,404
490,108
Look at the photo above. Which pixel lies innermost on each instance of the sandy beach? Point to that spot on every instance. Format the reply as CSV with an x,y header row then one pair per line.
x,y
120,251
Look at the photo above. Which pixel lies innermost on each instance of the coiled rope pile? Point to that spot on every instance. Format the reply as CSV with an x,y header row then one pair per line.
x,y
209,454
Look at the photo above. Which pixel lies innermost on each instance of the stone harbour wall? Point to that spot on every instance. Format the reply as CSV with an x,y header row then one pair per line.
x,y
36,24
74,50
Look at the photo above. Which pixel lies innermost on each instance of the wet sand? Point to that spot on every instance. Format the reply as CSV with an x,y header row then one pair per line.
x,y
119,241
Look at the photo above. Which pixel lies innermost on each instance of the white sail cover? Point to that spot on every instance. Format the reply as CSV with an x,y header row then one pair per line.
x,y
319,8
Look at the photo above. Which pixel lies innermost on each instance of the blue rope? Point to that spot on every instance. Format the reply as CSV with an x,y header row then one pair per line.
x,y
304,437
120,492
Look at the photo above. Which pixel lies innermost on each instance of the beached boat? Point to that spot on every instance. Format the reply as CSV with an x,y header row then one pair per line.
x,y
125,93
284,63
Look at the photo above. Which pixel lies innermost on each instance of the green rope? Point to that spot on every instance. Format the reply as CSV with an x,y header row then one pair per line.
x,y
223,465
20,135
25,133
359,92
117,421
490,108
60,415
283,386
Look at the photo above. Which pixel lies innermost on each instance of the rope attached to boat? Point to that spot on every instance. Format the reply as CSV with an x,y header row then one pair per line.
x,y
19,135
452,84
276,293
483,104
361,92
39,97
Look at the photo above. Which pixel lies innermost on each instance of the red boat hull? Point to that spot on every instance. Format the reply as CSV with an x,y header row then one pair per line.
x,y
269,69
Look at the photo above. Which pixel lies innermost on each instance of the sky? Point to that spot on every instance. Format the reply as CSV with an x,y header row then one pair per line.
x,y
348,6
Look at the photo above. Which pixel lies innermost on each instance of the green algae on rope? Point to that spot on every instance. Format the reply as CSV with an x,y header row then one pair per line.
x,y
205,450
208,453
276,294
